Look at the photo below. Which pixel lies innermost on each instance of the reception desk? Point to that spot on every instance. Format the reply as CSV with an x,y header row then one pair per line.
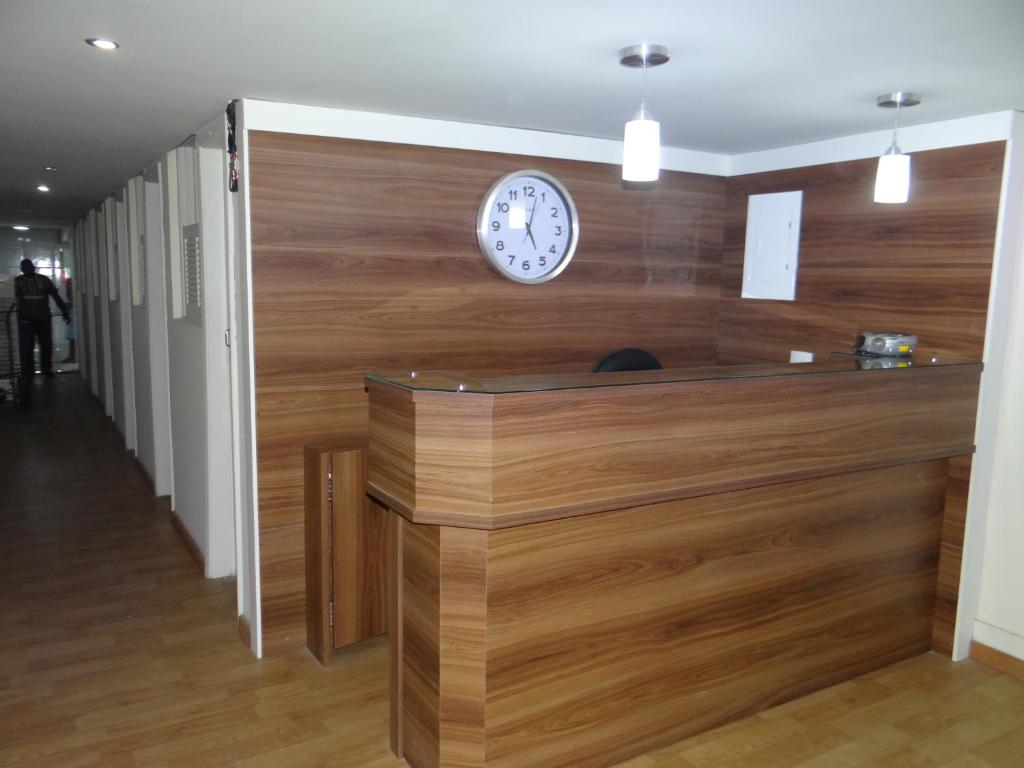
x,y
590,566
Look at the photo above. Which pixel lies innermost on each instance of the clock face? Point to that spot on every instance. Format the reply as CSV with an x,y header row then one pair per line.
x,y
527,227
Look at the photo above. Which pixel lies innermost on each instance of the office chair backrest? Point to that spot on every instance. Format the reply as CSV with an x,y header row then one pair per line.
x,y
627,359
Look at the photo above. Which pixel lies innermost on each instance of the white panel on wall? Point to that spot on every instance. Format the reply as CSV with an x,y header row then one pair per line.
x,y
111,251
192,243
135,240
773,244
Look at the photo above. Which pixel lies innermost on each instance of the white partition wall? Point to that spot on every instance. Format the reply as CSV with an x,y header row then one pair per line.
x,y
156,323
991,608
137,303
124,321
103,306
215,220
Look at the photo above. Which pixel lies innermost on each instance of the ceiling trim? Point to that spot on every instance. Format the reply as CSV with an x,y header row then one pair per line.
x,y
995,126
400,129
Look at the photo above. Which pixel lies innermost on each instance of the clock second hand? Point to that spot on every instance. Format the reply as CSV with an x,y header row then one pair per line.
x,y
529,228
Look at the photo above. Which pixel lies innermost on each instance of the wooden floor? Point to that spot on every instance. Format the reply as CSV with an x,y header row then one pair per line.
x,y
115,652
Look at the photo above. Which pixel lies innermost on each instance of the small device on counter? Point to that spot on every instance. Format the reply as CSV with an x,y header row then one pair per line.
x,y
875,344
874,363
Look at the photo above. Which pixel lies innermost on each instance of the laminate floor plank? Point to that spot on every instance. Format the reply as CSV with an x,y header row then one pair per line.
x,y
115,652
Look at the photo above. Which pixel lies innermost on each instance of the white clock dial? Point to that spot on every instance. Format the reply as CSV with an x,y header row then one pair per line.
x,y
527,227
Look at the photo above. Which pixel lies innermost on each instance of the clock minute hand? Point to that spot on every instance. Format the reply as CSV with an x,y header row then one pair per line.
x,y
529,227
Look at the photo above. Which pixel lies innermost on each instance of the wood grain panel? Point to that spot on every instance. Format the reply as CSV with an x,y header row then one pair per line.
x,y
923,267
463,643
954,521
318,554
610,634
365,258
420,645
361,538
579,451
396,641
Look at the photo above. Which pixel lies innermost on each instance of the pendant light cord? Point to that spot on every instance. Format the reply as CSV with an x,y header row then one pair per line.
x,y
895,148
643,91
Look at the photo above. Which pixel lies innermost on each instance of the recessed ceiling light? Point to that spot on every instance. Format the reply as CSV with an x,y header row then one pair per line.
x,y
20,228
43,188
102,43
50,168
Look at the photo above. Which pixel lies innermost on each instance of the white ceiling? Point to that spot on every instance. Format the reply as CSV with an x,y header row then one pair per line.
x,y
744,74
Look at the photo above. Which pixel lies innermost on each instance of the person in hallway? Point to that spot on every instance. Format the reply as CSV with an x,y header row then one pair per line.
x,y
69,334
32,294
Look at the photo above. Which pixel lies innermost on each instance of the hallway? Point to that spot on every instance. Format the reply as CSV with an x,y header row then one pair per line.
x,y
114,651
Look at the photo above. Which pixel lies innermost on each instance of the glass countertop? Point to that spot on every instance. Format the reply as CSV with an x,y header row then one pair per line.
x,y
451,381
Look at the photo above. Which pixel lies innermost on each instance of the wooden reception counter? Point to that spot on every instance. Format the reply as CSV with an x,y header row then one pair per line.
x,y
590,566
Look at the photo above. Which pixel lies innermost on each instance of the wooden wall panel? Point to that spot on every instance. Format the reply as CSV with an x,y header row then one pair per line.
x,y
923,267
463,626
954,522
421,637
318,551
365,258
615,633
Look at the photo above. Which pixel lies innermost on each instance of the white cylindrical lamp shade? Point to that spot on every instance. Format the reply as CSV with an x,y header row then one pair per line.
x,y
641,149
892,181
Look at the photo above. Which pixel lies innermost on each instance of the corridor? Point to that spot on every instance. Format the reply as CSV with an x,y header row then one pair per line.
x,y
114,651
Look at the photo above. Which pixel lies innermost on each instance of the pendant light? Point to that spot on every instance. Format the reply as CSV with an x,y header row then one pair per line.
x,y
892,181
641,146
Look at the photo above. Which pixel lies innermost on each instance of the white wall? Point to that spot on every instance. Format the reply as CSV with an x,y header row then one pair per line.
x,y
186,355
992,578
215,216
156,324
103,308
141,367
124,321
244,397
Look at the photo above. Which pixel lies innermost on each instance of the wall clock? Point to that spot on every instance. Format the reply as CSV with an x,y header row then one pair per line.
x,y
528,227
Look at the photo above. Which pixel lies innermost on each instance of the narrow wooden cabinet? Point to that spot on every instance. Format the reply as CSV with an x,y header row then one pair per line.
x,y
347,542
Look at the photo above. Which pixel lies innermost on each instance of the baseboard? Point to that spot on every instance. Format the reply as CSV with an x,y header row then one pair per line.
x,y
997,660
190,543
245,631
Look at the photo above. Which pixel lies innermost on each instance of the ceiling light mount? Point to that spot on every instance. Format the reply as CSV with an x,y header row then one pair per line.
x,y
899,99
643,55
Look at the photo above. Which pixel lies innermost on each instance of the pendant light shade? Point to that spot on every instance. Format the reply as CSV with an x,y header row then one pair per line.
x,y
641,148
892,180
641,141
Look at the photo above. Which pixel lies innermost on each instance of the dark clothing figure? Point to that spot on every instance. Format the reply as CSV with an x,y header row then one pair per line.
x,y
32,295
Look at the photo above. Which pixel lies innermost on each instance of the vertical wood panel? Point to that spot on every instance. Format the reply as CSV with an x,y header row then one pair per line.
x,y
420,676
923,267
361,529
954,521
463,647
318,555
396,607
365,258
